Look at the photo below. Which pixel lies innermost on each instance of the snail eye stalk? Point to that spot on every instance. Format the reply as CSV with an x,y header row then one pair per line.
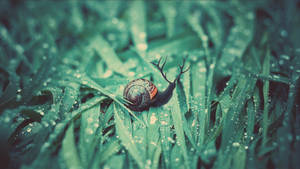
x,y
181,67
160,68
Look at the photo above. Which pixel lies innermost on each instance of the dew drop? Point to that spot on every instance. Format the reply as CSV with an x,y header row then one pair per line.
x,y
153,118
28,130
18,97
142,46
107,74
235,144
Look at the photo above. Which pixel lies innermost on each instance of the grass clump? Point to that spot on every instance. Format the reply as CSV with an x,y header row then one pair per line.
x,y
64,66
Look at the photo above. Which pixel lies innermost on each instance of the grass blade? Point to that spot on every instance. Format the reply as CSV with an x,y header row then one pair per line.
x,y
127,140
69,151
178,124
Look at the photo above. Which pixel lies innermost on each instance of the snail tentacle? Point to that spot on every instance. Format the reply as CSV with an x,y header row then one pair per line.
x,y
161,68
181,67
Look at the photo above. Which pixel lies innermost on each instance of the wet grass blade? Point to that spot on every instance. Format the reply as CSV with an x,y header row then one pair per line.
x,y
198,91
266,72
107,53
127,139
88,135
177,117
69,151
169,11
112,148
165,134
138,21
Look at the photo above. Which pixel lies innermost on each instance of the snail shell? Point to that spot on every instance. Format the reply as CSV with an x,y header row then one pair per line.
x,y
140,93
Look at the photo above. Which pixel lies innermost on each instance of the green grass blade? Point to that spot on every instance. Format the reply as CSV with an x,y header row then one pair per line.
x,y
107,53
169,11
112,148
69,151
178,124
165,134
266,72
88,128
127,140
198,91
239,158
138,21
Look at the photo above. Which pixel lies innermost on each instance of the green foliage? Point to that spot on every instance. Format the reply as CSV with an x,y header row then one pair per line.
x,y
64,66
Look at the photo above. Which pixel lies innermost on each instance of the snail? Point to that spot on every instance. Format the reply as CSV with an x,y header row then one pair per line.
x,y
143,94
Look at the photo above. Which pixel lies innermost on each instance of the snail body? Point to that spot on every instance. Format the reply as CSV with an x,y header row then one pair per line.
x,y
143,94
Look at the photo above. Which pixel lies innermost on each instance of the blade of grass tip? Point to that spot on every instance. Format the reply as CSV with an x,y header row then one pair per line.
x,y
169,11
178,124
107,53
265,121
137,20
126,139
69,151
88,128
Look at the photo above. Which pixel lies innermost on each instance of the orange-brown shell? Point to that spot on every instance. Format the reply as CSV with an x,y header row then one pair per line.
x,y
140,93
